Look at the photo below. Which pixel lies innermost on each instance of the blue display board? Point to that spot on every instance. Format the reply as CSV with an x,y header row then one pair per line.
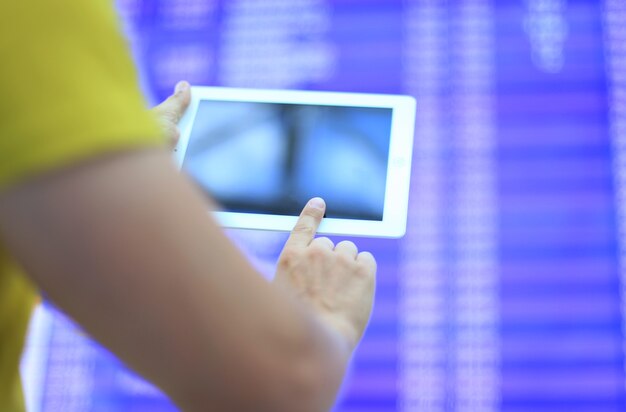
x,y
506,292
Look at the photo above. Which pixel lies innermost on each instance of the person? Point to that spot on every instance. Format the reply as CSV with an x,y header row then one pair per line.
x,y
94,214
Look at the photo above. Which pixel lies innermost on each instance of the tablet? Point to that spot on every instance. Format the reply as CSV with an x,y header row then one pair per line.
x,y
262,154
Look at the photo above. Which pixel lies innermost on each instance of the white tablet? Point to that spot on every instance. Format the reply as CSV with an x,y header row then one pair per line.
x,y
262,154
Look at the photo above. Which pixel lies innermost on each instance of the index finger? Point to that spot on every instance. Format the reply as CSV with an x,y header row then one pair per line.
x,y
307,224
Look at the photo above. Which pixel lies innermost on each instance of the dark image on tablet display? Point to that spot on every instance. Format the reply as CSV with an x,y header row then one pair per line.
x,y
271,158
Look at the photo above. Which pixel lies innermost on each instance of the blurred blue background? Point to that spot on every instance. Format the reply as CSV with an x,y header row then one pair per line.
x,y
506,292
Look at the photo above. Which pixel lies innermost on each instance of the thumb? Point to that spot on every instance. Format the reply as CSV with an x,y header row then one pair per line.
x,y
173,108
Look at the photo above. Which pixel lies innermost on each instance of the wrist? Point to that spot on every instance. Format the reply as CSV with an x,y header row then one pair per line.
x,y
345,334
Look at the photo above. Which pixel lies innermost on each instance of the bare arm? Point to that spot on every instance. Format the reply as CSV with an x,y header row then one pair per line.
x,y
124,245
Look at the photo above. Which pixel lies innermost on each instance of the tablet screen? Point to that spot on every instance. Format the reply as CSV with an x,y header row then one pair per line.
x,y
271,158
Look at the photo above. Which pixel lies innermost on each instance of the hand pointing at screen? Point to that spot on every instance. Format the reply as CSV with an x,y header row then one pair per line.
x,y
336,282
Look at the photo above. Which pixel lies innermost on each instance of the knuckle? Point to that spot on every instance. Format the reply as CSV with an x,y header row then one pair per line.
x,y
367,264
317,251
347,243
288,258
303,228
365,271
324,240
313,212
172,115
345,260
349,248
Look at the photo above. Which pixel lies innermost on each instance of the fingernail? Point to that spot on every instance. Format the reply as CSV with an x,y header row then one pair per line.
x,y
181,86
317,202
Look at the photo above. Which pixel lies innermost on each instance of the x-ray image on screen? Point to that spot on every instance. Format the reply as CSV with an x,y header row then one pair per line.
x,y
271,158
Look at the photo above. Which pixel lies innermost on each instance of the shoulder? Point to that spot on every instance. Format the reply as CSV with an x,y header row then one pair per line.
x,y
69,86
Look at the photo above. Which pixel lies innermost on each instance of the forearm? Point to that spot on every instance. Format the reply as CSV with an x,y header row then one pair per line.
x,y
295,364
125,246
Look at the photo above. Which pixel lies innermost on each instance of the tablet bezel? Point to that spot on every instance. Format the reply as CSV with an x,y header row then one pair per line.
x,y
393,224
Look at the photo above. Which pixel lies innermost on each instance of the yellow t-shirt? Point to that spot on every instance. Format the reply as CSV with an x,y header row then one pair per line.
x,y
68,92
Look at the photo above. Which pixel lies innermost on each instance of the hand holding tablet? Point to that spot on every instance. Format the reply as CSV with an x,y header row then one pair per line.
x,y
262,154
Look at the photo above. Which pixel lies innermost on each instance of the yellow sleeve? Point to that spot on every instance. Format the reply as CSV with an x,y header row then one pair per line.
x,y
69,89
